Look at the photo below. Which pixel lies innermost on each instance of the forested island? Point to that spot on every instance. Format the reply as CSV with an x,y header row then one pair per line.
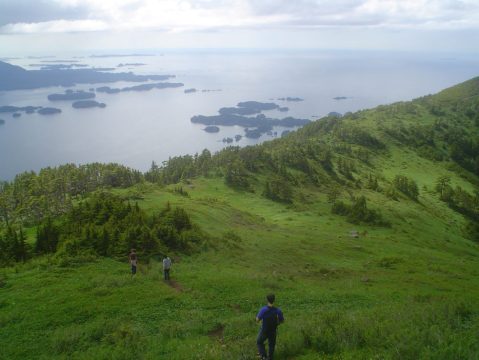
x,y
72,95
130,64
10,108
142,87
49,111
58,66
293,99
255,126
84,104
28,110
212,129
16,78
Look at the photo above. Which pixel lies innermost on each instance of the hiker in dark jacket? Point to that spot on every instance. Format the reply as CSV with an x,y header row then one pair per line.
x,y
166,267
133,258
270,317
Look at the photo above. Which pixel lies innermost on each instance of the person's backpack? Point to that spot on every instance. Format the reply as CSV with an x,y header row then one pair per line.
x,y
133,257
270,320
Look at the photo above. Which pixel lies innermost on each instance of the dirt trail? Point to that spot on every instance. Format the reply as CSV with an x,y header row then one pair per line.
x,y
175,285
217,332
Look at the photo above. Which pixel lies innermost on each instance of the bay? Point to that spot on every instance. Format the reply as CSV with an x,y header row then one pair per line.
x,y
138,127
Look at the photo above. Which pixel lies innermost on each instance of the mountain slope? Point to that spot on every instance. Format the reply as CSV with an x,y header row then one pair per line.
x,y
279,218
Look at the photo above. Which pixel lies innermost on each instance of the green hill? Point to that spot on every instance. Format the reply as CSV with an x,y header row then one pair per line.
x,y
365,227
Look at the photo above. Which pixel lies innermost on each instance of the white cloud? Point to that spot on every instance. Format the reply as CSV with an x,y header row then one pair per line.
x,y
200,15
55,26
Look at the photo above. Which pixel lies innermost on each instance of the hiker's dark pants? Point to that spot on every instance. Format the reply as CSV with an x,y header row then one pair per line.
x,y
166,274
262,337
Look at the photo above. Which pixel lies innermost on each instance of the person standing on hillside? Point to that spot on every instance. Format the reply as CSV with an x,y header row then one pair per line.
x,y
270,317
133,261
166,267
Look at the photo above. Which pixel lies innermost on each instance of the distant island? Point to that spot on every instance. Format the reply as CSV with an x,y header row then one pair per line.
x,y
2,122
294,99
49,111
189,91
119,55
60,61
142,87
335,114
340,98
255,126
27,109
41,57
72,95
58,66
212,129
283,109
210,90
17,78
130,64
250,108
238,137
84,104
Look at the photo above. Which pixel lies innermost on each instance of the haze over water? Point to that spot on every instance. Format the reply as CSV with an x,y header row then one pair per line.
x,y
138,127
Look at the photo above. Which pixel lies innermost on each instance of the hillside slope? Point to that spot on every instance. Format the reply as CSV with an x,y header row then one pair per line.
x,y
279,218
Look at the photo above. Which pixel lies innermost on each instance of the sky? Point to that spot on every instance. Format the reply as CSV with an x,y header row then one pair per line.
x,y
40,26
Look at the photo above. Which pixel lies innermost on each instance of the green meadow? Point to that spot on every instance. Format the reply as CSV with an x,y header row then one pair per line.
x,y
407,289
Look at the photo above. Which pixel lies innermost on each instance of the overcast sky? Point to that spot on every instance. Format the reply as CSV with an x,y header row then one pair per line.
x,y
49,25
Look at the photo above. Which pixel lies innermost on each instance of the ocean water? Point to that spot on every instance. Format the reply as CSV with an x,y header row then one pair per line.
x,y
138,127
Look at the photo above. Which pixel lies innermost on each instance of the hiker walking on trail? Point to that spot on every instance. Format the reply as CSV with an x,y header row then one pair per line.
x,y
166,267
270,317
133,261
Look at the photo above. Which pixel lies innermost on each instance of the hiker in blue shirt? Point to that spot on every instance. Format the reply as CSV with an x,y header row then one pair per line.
x,y
270,317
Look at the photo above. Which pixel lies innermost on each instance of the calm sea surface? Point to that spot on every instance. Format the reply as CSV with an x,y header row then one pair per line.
x,y
138,127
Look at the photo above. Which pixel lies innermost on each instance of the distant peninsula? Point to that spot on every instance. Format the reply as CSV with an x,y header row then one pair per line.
x,y
72,95
17,78
84,104
142,87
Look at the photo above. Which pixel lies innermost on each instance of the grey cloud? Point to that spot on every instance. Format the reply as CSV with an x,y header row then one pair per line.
x,y
28,11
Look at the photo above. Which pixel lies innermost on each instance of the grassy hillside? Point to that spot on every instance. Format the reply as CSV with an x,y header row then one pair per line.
x,y
405,289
